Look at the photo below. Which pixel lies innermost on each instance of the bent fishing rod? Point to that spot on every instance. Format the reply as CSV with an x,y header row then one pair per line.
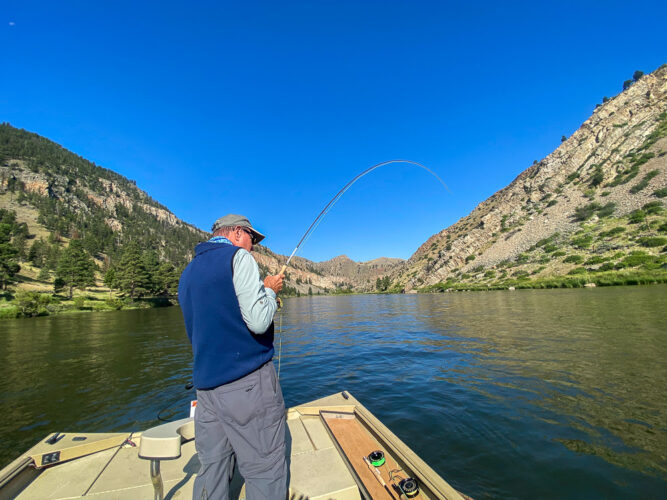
x,y
340,193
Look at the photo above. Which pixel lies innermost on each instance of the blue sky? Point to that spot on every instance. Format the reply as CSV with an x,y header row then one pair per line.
x,y
268,108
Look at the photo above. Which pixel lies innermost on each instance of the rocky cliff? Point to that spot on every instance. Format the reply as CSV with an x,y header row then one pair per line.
x,y
611,167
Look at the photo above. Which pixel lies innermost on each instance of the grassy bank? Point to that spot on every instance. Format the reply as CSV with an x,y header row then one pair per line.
x,y
27,304
604,278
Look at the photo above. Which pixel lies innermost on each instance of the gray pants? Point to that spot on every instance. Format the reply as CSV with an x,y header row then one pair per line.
x,y
243,421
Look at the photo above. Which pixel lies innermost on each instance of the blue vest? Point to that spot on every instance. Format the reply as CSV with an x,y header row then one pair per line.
x,y
224,348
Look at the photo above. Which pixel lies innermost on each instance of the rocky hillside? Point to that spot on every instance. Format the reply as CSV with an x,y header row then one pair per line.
x,y
339,273
60,196
596,201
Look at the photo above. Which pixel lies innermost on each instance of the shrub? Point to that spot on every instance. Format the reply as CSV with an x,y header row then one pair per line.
x,y
644,182
637,216
595,260
605,193
32,303
114,303
559,253
574,259
660,193
572,176
652,241
612,232
585,212
607,210
663,227
522,258
636,259
470,258
653,208
490,274
551,203
578,270
584,241
607,266
597,177
625,176
79,302
550,247
520,274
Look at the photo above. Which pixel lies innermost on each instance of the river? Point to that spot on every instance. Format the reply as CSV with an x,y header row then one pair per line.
x,y
531,393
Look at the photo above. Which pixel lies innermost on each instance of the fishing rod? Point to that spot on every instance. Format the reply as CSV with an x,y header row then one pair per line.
x,y
340,193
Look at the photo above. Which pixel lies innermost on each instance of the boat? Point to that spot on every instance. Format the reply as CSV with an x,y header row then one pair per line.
x,y
337,450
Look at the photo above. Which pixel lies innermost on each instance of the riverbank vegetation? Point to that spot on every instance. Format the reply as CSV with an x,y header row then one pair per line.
x,y
604,251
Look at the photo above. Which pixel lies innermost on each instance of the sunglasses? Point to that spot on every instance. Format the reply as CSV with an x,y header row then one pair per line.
x,y
253,239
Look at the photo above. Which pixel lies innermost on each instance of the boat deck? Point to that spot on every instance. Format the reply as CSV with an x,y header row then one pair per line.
x,y
321,465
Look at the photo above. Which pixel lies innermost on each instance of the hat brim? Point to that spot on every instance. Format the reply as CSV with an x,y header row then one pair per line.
x,y
258,236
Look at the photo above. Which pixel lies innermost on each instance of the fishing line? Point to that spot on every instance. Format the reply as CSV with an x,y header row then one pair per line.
x,y
325,211
340,193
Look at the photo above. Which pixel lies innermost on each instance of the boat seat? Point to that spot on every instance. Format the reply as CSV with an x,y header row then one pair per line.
x,y
163,442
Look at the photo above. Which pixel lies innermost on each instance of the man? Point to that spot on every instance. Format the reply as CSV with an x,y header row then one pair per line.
x,y
240,413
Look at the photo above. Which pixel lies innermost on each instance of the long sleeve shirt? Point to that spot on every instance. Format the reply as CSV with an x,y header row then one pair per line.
x,y
257,303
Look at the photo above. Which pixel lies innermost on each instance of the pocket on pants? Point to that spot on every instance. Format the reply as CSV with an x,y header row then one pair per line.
x,y
242,405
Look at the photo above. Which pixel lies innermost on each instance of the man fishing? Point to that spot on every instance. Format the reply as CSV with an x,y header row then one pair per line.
x,y
240,416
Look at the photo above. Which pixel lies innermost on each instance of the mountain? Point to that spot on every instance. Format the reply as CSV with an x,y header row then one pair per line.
x,y
58,196
591,207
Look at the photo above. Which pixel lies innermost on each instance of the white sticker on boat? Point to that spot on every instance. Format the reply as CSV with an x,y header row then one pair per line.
x,y
193,406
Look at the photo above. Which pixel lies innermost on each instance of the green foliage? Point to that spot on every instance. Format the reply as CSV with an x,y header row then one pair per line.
x,y
552,203
637,75
636,216
573,259
578,270
585,212
75,267
382,284
652,241
132,277
32,303
597,177
522,258
644,182
627,84
612,232
559,253
660,193
490,274
547,240
635,259
550,247
584,241
653,208
470,258
605,193
597,259
572,176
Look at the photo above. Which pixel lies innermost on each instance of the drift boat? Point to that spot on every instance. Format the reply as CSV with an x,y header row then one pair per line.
x,y
337,450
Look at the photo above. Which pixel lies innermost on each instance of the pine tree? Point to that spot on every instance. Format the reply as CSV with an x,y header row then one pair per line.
x,y
168,278
152,266
75,267
131,275
8,265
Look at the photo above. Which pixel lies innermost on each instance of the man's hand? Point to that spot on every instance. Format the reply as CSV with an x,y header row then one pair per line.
x,y
275,283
